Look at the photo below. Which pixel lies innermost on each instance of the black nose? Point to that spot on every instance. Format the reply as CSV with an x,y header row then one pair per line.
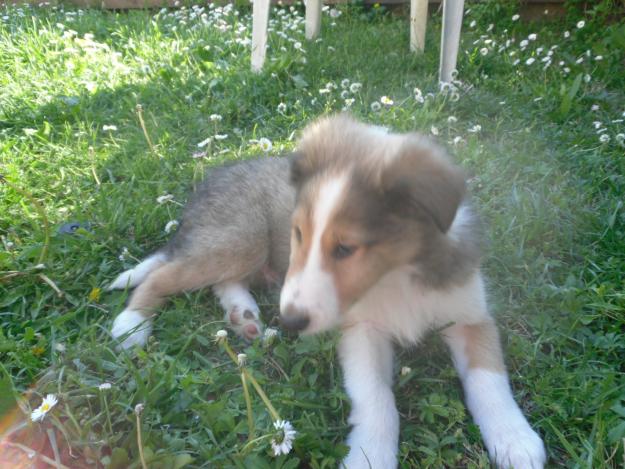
x,y
295,322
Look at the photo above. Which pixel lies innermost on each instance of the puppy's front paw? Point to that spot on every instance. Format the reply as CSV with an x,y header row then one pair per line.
x,y
518,448
245,322
365,453
133,326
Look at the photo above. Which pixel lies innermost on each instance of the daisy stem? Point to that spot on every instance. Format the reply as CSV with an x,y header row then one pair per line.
x,y
139,443
274,413
248,405
108,414
145,130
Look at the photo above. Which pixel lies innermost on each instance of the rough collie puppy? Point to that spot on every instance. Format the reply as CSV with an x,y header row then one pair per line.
x,y
376,237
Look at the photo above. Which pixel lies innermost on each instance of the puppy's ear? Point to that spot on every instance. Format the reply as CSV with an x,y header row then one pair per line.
x,y
299,170
421,181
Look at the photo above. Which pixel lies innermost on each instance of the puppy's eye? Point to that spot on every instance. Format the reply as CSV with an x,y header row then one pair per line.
x,y
298,234
341,251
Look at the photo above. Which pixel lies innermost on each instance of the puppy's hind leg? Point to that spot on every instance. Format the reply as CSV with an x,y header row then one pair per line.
x,y
133,277
242,312
134,324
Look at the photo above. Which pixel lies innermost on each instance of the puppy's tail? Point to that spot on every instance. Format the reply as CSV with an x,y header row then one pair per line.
x,y
133,277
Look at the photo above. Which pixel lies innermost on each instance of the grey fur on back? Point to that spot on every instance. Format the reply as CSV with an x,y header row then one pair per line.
x,y
240,211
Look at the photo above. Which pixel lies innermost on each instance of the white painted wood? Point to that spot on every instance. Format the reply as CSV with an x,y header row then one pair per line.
x,y
313,18
418,22
450,38
260,22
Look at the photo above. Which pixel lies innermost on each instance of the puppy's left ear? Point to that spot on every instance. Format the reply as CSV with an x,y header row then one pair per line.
x,y
420,180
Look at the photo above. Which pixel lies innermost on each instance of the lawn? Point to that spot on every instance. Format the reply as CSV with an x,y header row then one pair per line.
x,y
102,113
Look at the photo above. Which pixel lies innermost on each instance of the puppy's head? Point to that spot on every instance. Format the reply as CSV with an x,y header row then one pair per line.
x,y
368,201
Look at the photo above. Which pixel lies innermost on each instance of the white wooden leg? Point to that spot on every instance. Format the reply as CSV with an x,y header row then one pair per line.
x,y
313,18
418,22
450,38
260,20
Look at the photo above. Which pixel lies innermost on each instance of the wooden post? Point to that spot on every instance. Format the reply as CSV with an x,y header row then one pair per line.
x,y
313,18
450,38
418,22
260,22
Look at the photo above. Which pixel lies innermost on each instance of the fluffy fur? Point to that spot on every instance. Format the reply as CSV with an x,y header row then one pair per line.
x,y
383,245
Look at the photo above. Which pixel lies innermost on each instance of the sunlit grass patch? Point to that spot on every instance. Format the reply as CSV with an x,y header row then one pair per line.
x,y
109,119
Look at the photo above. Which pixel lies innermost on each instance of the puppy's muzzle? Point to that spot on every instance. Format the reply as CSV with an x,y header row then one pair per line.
x,y
294,320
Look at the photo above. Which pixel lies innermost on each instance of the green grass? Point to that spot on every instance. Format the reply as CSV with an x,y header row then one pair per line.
x,y
550,190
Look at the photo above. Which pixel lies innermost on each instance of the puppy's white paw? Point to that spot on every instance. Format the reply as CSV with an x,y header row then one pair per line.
x,y
123,280
518,448
368,453
133,326
133,277
245,322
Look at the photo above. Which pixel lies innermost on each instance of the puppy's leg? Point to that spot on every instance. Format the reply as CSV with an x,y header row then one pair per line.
x,y
510,440
135,321
242,312
367,360
133,277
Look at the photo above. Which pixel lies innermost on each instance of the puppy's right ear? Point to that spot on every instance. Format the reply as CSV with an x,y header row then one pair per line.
x,y
301,168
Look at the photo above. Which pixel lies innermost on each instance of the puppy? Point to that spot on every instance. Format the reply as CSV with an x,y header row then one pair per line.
x,y
383,245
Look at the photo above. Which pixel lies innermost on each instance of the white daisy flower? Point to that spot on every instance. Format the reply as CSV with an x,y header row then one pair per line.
x,y
532,37
515,17
221,136
405,370
171,225
281,107
124,255
524,43
457,140
452,119
475,129
472,24
270,334
105,386
418,96
164,198
599,57
111,128
386,101
40,412
282,443
355,87
594,107
204,142
567,34
530,61
605,138
484,51
265,145
581,24
215,118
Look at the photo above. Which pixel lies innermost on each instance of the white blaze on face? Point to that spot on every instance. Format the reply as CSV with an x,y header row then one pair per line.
x,y
312,289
